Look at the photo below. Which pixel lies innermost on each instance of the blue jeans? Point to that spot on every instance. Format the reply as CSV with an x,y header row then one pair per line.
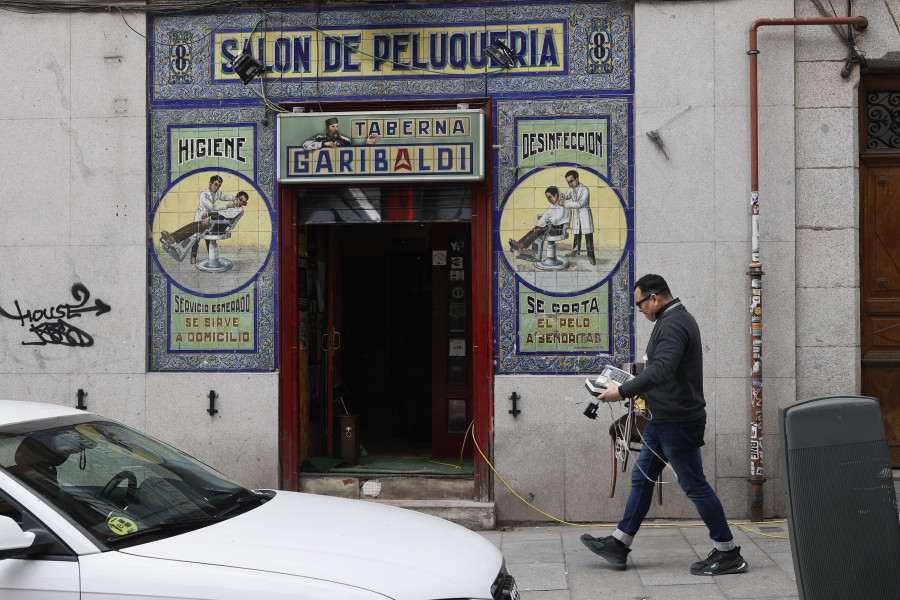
x,y
679,444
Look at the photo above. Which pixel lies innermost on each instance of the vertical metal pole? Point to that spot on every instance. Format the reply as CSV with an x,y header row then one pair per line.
x,y
756,397
756,392
755,272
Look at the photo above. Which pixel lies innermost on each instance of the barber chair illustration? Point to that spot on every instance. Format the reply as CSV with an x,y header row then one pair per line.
x,y
219,229
545,258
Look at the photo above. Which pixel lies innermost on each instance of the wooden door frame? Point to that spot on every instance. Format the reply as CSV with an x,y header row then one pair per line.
x,y
443,442
482,286
288,335
872,159
867,159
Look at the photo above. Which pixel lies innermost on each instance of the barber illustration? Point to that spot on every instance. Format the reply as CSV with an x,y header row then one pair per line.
x,y
208,200
579,198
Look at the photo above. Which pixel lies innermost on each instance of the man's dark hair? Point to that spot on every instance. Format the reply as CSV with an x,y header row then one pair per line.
x,y
574,174
552,190
244,194
215,178
653,284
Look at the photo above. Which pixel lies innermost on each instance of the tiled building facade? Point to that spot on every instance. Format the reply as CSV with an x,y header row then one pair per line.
x,y
401,251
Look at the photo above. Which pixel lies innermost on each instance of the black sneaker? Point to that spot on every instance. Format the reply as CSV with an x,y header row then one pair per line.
x,y
609,548
721,563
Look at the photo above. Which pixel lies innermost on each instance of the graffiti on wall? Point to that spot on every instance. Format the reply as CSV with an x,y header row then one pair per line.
x,y
51,325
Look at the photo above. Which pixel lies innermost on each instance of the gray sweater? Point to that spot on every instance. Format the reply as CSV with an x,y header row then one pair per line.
x,y
672,380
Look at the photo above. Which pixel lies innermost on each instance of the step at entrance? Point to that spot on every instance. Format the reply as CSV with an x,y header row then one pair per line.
x,y
449,498
388,487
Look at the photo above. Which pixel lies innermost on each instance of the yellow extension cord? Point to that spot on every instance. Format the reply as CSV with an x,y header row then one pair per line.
x,y
549,516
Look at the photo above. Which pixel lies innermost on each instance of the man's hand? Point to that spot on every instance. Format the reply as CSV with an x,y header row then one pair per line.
x,y
612,392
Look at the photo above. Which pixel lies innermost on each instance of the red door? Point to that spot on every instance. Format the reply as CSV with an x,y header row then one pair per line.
x,y
451,334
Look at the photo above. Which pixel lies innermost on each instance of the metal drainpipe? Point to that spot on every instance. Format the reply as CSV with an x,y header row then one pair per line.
x,y
756,398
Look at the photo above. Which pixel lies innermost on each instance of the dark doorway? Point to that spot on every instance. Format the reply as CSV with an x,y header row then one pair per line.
x,y
380,321
386,341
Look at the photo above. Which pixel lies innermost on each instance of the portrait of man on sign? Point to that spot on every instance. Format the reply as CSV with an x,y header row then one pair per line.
x,y
332,137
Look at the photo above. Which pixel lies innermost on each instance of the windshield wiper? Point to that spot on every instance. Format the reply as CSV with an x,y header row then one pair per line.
x,y
245,501
163,526
166,526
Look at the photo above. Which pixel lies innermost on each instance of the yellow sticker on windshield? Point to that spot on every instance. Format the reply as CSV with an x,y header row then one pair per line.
x,y
121,525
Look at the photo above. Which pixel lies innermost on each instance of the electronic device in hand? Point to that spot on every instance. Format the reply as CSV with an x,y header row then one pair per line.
x,y
597,386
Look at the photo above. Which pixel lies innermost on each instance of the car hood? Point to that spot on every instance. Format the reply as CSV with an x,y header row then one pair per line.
x,y
392,551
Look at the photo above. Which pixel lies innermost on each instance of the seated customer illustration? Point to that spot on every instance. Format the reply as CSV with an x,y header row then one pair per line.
x,y
218,220
554,220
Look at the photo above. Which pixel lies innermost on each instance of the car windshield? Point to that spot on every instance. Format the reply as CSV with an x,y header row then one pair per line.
x,y
119,485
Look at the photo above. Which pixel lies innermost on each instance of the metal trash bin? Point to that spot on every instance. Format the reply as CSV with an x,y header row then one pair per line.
x,y
841,504
346,439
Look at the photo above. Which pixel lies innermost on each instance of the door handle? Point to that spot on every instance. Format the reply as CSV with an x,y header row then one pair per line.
x,y
337,341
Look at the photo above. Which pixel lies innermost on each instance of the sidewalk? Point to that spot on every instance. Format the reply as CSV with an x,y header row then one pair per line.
x,y
550,563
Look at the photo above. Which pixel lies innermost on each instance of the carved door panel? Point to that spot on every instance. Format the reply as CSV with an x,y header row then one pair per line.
x,y
880,288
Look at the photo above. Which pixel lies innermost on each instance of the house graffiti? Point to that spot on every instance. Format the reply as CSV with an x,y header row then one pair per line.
x,y
48,324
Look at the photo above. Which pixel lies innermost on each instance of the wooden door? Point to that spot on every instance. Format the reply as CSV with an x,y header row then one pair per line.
x,y
879,234
451,335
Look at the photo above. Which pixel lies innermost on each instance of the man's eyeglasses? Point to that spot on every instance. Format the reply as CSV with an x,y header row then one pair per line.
x,y
642,300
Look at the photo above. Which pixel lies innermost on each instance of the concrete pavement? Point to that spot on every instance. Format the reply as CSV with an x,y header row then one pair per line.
x,y
549,562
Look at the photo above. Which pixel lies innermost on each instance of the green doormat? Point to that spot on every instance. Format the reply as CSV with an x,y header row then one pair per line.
x,y
392,465
322,465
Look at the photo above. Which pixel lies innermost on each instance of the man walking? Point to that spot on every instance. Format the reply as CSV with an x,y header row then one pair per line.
x,y
672,385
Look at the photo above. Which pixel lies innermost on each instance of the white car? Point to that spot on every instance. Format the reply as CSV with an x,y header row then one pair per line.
x,y
92,509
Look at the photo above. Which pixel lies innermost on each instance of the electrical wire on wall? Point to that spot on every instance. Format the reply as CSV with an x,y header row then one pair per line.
x,y
854,56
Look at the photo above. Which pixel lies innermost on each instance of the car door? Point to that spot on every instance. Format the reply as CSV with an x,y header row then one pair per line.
x,y
52,575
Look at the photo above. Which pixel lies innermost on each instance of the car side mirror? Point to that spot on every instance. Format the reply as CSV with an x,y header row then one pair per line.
x,y
12,539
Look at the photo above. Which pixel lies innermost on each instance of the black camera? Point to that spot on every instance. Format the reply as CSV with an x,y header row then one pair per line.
x,y
597,386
